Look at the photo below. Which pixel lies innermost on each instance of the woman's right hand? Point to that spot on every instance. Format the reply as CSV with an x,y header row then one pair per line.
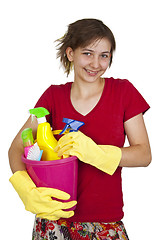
x,y
38,200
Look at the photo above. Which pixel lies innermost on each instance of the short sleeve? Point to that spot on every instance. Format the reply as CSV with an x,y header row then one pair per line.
x,y
46,101
134,103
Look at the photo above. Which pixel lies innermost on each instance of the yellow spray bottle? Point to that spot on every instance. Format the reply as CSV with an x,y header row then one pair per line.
x,y
45,139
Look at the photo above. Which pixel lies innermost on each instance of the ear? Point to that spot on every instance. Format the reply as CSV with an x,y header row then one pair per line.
x,y
70,54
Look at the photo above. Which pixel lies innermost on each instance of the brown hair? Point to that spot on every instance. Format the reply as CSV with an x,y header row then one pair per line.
x,y
80,34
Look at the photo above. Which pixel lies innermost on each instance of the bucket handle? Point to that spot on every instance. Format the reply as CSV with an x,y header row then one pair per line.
x,y
57,132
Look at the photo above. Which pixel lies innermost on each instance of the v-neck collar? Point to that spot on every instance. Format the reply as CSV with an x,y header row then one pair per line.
x,y
93,109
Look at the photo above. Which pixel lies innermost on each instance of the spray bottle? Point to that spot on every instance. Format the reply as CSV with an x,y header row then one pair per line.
x,y
45,139
28,140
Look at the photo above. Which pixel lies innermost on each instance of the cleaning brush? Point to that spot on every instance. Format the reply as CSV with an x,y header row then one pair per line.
x,y
34,153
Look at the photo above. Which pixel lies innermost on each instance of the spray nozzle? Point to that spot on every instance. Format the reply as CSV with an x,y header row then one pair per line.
x,y
40,113
71,125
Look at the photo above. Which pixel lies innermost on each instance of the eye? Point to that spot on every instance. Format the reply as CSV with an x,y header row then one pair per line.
x,y
87,53
105,56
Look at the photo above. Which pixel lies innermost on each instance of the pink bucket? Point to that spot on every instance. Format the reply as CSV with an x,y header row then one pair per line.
x,y
61,174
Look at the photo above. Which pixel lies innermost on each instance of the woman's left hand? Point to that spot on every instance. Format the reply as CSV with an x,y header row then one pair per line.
x,y
78,144
73,143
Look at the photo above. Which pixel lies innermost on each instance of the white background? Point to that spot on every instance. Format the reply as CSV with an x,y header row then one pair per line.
x,y
28,66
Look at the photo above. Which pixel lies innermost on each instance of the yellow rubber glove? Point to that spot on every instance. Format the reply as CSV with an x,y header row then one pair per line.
x,y
105,158
39,200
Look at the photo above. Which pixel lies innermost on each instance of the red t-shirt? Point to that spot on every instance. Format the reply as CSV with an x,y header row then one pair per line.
x,y
100,197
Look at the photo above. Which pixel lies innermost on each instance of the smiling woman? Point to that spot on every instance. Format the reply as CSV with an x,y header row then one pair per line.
x,y
111,110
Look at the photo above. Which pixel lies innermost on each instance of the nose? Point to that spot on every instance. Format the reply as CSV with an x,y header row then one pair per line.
x,y
95,62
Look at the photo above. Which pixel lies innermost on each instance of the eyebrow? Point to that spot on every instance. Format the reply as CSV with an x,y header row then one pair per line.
x,y
89,50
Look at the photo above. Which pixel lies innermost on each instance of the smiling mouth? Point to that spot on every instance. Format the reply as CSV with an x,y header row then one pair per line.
x,y
93,73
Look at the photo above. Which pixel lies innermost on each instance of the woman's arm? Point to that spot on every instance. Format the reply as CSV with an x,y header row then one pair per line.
x,y
17,149
138,154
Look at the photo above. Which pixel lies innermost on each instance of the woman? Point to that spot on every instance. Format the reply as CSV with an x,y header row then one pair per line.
x,y
111,109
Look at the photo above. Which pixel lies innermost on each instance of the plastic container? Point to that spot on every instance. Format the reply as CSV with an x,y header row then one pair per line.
x,y
61,174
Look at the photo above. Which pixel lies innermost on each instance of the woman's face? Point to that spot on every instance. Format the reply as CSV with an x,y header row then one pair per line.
x,y
90,62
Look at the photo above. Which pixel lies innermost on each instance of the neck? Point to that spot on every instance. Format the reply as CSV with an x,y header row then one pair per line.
x,y
87,89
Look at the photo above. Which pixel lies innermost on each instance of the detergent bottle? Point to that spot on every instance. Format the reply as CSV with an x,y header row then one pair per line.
x,y
45,139
28,140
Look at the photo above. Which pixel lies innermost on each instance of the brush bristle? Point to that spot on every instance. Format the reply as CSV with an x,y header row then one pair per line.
x,y
34,152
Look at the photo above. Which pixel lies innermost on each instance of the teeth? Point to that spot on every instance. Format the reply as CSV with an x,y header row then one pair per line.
x,y
90,71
